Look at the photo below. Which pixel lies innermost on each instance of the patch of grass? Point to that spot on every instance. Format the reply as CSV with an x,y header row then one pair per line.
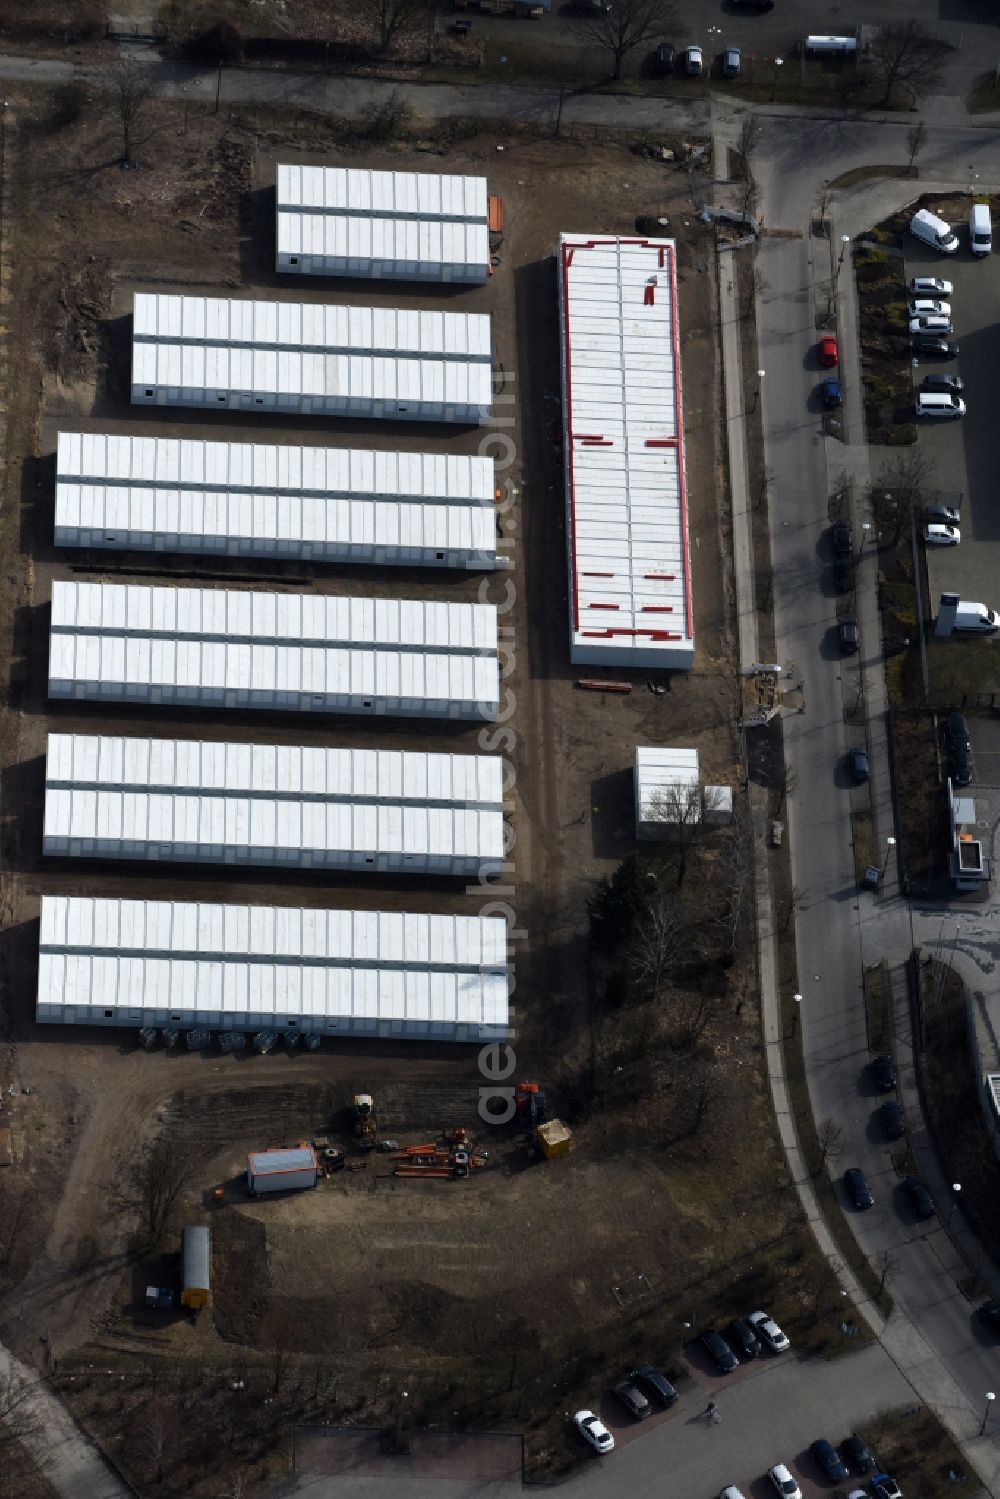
x,y
876,981
921,799
985,97
896,316
864,840
914,1447
901,599
872,257
902,434
962,670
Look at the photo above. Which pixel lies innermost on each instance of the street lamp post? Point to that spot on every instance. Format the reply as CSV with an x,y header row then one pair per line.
x,y
866,526
795,1013
774,76
756,393
990,1397
890,844
956,1187
845,240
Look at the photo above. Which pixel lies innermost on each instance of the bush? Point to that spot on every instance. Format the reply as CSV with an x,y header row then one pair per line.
x,y
897,316
884,236
902,434
388,117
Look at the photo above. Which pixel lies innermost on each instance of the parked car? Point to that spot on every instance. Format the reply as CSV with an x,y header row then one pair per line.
x,y
731,62
594,1431
830,1460
931,322
929,347
883,1074
949,385
890,1117
732,1492
956,731
920,1199
828,353
830,393
718,1350
885,1487
989,1313
632,1399
961,765
947,515
663,59
857,1453
930,286
929,307
693,62
768,1331
742,1339
841,539
652,1383
937,535
858,1191
783,1483
850,639
857,765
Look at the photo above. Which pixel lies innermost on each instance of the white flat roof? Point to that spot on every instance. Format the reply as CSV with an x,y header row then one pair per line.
x,y
402,241
663,771
359,190
300,327
630,574
237,961
178,494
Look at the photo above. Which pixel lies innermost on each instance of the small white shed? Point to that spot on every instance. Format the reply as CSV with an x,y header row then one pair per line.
x,y
667,790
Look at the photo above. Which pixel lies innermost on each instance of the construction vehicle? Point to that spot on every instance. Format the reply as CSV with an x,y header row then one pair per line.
x,y
450,1161
365,1126
529,1100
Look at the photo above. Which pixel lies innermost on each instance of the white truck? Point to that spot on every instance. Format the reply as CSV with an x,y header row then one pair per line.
x,y
975,619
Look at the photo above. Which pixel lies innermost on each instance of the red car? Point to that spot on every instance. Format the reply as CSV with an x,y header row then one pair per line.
x,y
828,351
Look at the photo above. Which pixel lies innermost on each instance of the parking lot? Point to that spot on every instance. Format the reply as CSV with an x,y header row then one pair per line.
x,y
964,451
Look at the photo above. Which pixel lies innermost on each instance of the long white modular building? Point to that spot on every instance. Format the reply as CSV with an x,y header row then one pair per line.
x,y
381,811
408,226
630,593
228,353
166,494
337,973
237,648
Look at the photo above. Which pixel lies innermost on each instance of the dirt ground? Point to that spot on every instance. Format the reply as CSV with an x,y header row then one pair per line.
x,y
373,1276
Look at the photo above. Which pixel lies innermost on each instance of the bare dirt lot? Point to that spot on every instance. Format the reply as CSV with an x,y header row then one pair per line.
x,y
493,1297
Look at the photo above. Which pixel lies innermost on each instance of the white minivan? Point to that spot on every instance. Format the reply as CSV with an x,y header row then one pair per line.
x,y
938,403
926,226
980,229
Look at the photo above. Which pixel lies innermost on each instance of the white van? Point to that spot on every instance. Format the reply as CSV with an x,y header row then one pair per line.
x,y
838,46
976,619
933,231
980,229
938,403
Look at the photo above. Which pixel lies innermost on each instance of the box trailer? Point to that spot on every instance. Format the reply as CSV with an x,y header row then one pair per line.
x,y
281,1170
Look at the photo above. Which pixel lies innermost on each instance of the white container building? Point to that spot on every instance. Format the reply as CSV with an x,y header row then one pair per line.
x,y
237,649
667,790
406,226
293,1170
225,353
165,494
630,591
375,811
247,968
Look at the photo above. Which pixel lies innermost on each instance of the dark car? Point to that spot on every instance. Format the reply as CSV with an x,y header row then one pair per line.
x,y
961,767
830,393
663,59
843,574
719,1351
920,1199
949,385
858,1191
857,765
890,1117
632,1399
841,540
847,634
989,1313
651,1382
884,1074
731,62
857,1454
956,731
934,348
742,1339
829,1460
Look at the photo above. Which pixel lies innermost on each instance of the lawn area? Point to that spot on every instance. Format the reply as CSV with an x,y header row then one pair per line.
x,y
963,671
915,1449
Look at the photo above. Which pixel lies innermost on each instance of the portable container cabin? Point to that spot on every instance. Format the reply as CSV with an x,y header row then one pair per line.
x,y
196,1256
281,1170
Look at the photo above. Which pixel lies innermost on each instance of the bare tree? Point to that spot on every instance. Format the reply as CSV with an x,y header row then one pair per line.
x,y
18,1421
157,1432
754,286
748,194
736,866
823,204
916,140
130,86
902,489
623,25
748,138
830,1137
789,781
386,117
391,20
706,1095
154,1179
764,485
681,811
906,53
793,903
660,944
885,1264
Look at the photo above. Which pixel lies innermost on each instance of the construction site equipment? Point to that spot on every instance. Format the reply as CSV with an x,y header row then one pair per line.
x,y
171,1037
196,1255
529,1100
265,1041
311,1041
590,684
198,1040
282,1170
232,1041
291,1040
159,1298
149,1037
365,1125
553,1139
